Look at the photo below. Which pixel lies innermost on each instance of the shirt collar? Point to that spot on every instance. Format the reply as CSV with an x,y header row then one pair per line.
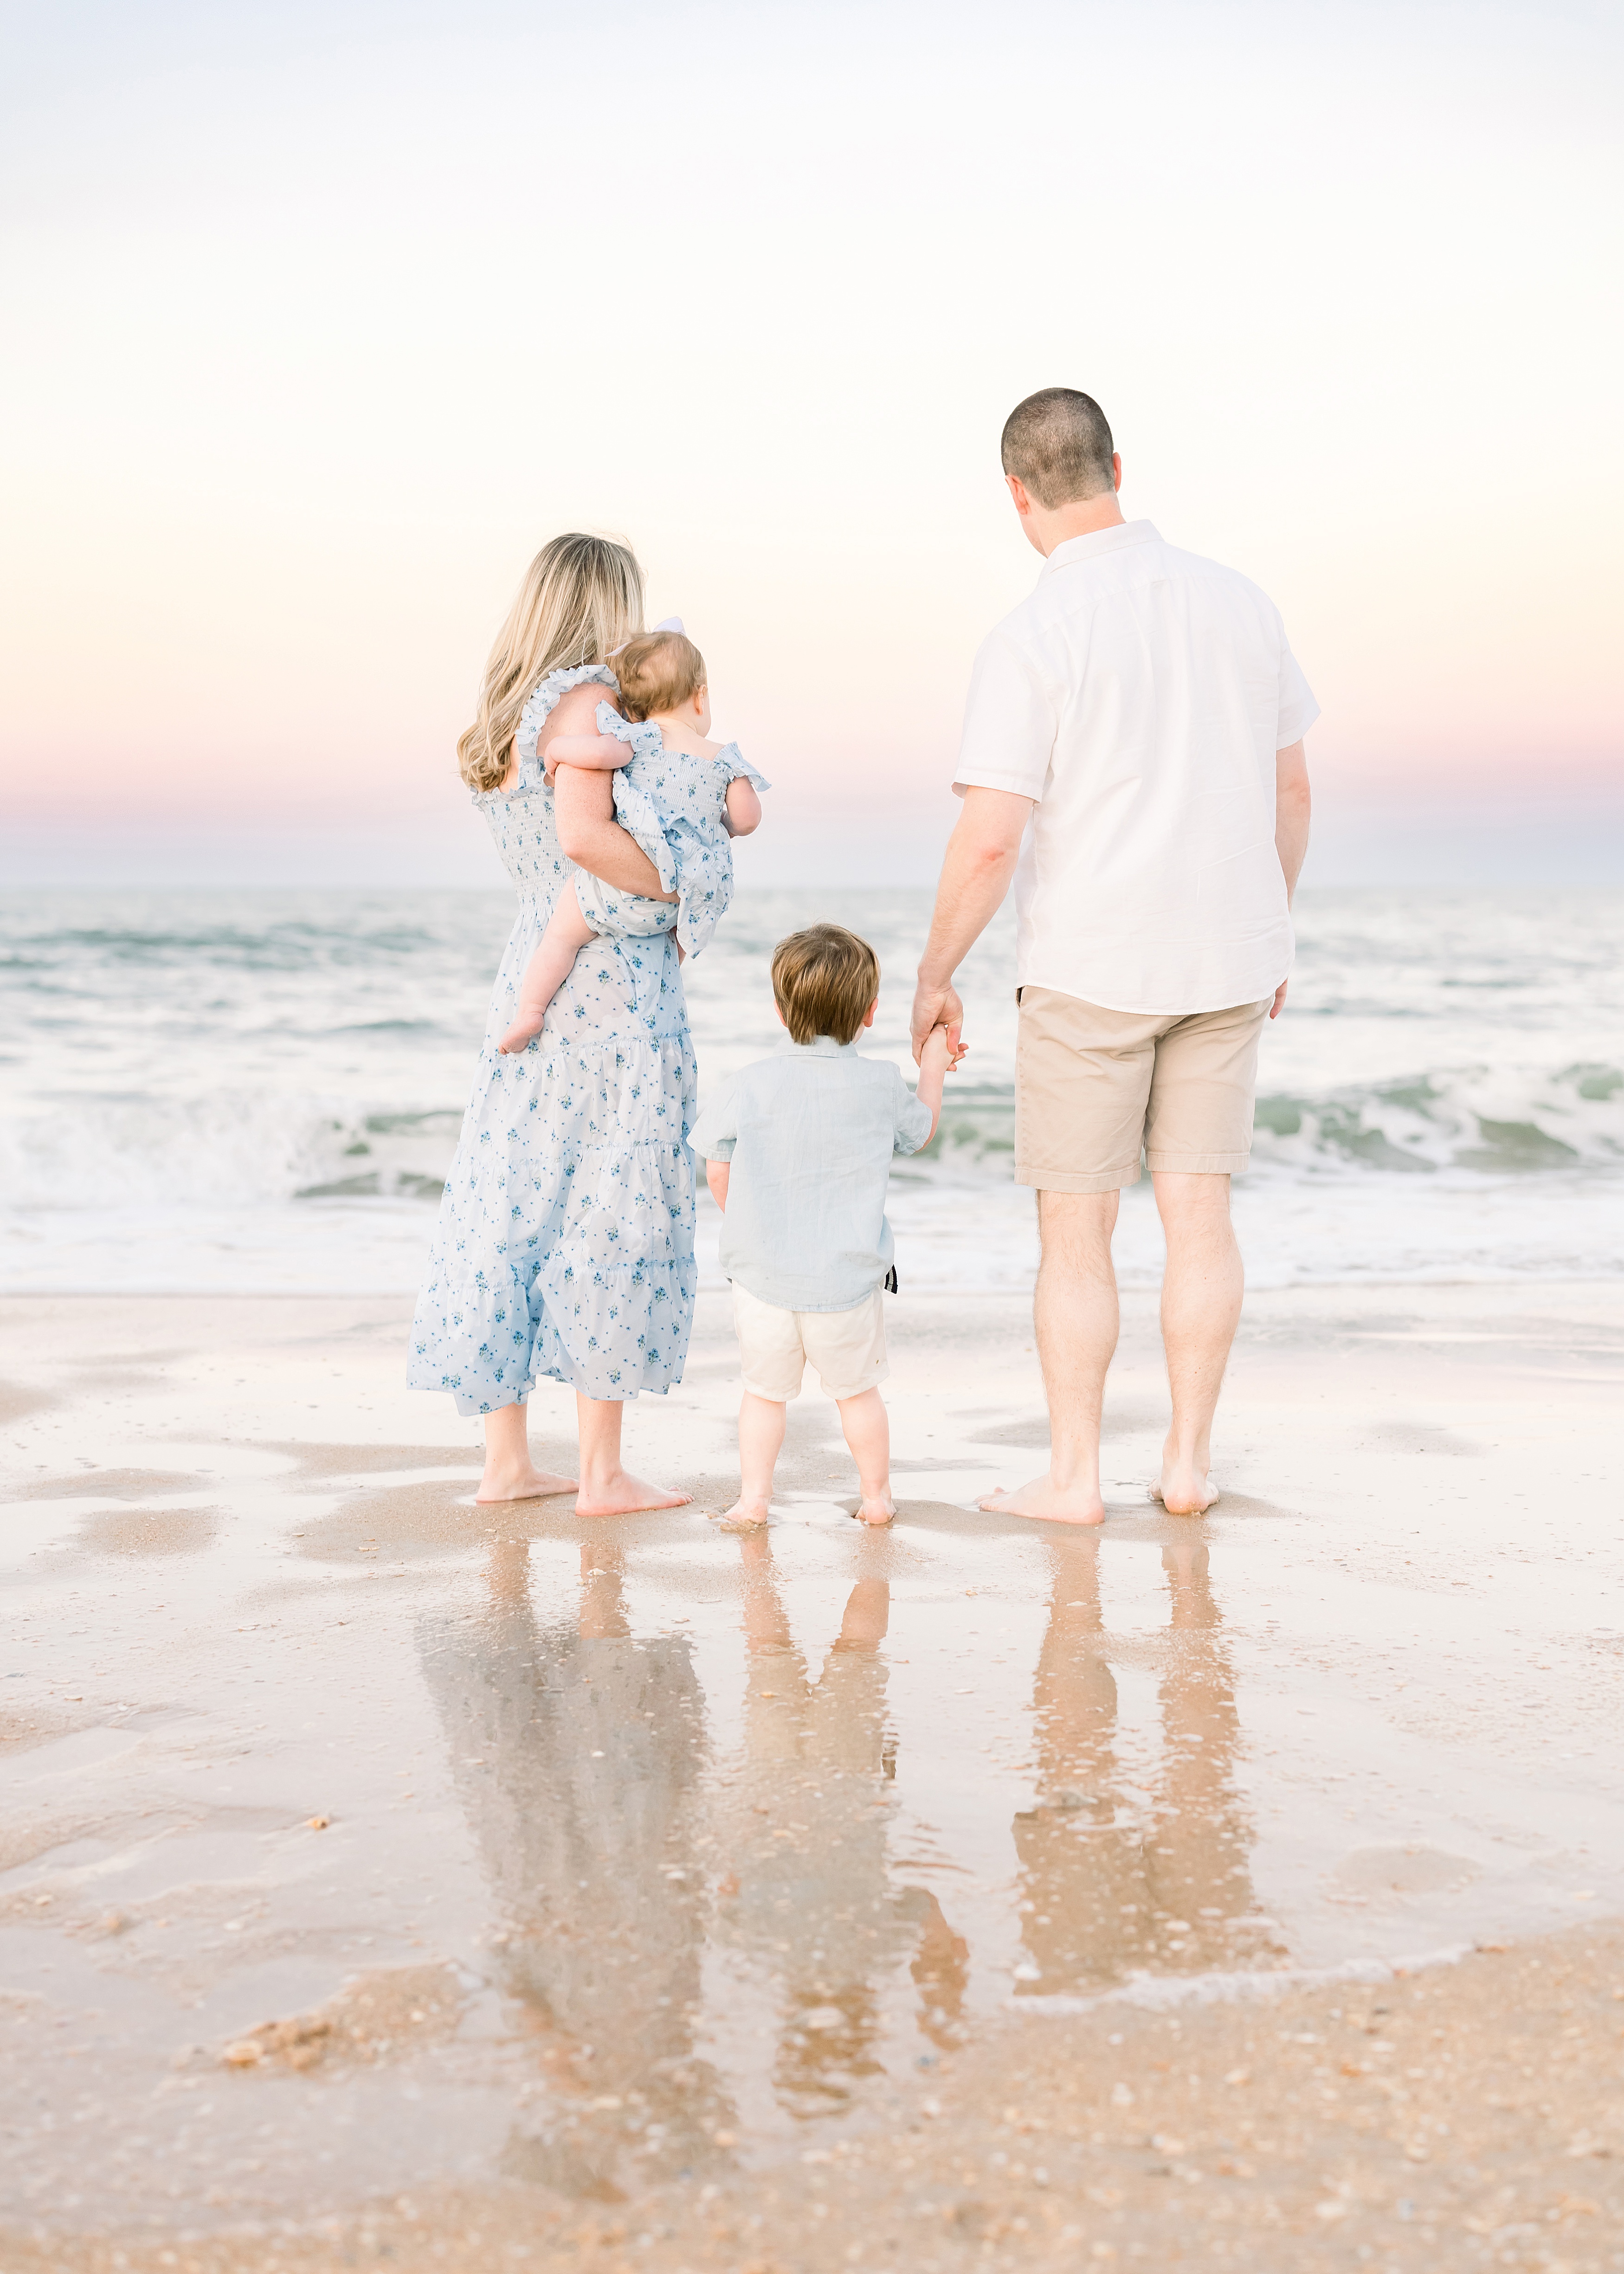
x,y
1101,540
822,1046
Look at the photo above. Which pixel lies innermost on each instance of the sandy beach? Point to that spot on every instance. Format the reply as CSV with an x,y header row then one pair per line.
x,y
386,1879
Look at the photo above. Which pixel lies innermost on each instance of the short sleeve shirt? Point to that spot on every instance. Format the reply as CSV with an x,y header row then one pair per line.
x,y
1138,697
810,1135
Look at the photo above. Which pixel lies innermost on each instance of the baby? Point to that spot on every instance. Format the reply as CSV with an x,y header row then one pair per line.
x,y
679,796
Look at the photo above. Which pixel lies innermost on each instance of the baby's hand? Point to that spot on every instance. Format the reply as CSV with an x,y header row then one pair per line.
x,y
951,1055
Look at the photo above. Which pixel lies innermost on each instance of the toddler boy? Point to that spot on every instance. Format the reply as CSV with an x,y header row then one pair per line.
x,y
798,1151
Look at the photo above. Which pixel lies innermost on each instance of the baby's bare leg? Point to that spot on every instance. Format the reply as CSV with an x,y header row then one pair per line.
x,y
566,934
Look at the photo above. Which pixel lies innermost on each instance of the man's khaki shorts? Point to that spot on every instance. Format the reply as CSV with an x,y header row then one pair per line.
x,y
1093,1086
846,1347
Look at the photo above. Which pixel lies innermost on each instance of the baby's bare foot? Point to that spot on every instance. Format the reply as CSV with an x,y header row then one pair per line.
x,y
519,1036
1049,1502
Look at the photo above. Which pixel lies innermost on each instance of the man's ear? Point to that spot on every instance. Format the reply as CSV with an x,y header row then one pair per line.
x,y
1018,491
1116,469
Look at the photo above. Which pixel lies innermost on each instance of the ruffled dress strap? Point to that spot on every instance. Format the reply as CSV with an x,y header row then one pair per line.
x,y
731,760
543,702
643,735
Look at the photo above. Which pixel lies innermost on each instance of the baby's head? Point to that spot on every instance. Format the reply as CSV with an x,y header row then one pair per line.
x,y
660,673
825,980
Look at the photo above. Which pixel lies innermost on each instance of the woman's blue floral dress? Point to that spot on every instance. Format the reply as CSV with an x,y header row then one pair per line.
x,y
565,1246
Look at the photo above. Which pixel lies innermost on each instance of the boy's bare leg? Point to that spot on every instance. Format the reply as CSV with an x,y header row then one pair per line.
x,y
761,1439
1076,1313
568,932
510,1472
605,1488
867,1427
1201,1292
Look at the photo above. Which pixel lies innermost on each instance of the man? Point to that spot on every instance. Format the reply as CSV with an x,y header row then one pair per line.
x,y
1142,711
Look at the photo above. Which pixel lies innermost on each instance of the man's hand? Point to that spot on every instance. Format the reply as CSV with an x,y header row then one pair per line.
x,y
1279,1003
980,860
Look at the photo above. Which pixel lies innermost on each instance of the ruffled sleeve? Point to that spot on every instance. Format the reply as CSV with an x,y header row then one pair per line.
x,y
545,701
734,768
642,734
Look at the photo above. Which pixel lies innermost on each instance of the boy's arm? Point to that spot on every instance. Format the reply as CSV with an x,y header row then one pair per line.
x,y
716,1173
601,752
932,1070
744,810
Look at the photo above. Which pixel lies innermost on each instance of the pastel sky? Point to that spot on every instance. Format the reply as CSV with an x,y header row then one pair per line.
x,y
320,319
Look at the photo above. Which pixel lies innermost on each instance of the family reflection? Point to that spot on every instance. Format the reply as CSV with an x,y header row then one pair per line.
x,y
1105,1889
577,1751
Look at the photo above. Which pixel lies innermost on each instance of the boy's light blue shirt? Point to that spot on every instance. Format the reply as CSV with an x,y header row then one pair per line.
x,y
810,1135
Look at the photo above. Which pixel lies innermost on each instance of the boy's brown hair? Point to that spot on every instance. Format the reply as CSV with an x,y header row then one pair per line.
x,y
656,671
823,980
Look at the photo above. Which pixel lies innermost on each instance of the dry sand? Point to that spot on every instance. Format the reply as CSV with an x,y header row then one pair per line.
x,y
384,1880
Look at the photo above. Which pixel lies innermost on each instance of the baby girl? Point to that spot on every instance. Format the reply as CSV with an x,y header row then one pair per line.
x,y
680,796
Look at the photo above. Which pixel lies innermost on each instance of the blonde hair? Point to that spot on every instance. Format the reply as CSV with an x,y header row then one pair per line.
x,y
823,980
581,597
658,671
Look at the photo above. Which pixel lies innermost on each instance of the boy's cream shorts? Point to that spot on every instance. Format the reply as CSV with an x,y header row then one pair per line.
x,y
1092,1088
846,1347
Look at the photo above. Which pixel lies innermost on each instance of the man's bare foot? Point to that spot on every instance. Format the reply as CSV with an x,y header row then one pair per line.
x,y
625,1495
745,1515
1183,1490
876,1507
1047,1503
520,1484
519,1036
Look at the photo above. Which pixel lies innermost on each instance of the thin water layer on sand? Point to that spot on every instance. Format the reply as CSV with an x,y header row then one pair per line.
x,y
358,1840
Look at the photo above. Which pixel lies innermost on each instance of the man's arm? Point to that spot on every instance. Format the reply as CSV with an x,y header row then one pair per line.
x,y
982,854
1293,804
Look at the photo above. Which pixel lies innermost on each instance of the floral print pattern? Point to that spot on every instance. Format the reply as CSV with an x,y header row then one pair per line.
x,y
565,1246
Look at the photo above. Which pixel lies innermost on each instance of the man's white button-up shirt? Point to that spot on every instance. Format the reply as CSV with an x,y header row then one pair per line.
x,y
1140,696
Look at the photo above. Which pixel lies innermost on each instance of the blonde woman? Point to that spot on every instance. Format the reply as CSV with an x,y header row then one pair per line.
x,y
565,1247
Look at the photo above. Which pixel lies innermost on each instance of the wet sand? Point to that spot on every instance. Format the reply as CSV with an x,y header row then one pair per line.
x,y
385,1878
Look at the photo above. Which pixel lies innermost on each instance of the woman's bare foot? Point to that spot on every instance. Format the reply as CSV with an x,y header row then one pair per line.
x,y
876,1507
528,1483
519,1036
1183,1490
620,1494
1049,1502
745,1514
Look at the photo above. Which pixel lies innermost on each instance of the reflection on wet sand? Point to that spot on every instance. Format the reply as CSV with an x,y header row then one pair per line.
x,y
1109,1887
805,1903
576,1752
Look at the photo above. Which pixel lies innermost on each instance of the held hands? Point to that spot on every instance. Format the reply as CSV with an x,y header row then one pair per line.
x,y
937,1010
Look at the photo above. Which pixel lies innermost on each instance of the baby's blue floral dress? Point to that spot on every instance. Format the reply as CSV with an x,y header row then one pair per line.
x,y
675,806
565,1246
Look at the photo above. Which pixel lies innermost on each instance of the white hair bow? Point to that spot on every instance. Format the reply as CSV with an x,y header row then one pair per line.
x,y
665,624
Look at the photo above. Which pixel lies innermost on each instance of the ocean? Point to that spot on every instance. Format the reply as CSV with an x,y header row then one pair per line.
x,y
260,1092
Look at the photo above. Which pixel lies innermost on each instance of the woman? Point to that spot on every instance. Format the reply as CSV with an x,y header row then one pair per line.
x,y
565,1246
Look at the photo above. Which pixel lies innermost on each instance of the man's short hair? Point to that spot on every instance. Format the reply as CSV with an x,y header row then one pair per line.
x,y
823,980
1057,443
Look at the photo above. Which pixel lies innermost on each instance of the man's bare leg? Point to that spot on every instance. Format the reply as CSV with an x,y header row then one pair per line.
x,y
510,1472
1076,1313
606,1488
1201,1296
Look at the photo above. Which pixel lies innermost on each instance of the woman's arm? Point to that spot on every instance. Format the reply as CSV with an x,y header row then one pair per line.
x,y
590,835
743,807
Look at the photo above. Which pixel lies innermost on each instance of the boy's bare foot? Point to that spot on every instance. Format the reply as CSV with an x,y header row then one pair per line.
x,y
1183,1490
876,1507
520,1484
745,1514
518,1037
625,1496
1049,1502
